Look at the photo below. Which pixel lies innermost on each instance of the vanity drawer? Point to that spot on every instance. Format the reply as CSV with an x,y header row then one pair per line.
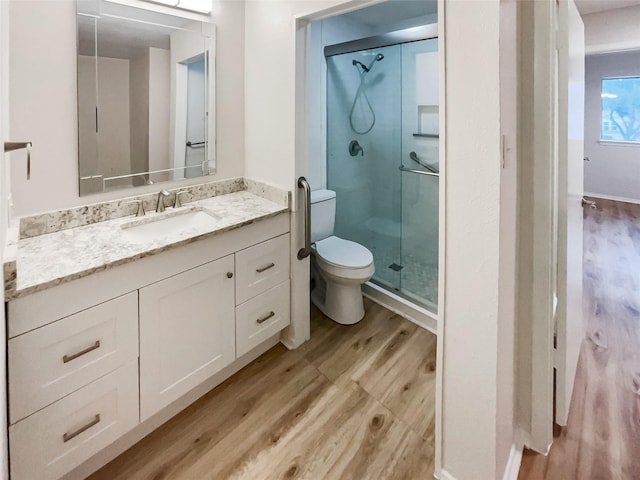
x,y
261,267
52,361
55,440
261,317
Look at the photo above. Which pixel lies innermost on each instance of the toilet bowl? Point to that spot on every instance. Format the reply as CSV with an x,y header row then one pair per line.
x,y
339,266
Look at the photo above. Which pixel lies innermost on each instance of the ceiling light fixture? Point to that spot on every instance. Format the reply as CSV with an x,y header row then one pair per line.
x,y
200,6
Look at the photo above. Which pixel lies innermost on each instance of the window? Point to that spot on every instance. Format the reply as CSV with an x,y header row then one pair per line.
x,y
620,110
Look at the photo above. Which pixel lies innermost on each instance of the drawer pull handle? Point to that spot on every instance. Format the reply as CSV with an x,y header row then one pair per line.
x,y
68,358
265,268
266,317
229,274
68,436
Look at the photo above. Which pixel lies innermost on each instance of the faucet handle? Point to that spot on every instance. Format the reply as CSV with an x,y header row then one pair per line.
x,y
177,203
140,212
160,206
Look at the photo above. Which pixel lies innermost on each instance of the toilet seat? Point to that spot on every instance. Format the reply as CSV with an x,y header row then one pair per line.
x,y
342,253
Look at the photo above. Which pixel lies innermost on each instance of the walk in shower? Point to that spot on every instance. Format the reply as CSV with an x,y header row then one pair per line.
x,y
382,155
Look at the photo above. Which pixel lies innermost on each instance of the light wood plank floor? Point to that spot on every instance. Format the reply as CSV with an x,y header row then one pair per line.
x,y
354,402
602,439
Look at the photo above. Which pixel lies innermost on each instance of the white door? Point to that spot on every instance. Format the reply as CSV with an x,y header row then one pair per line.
x,y
187,332
569,328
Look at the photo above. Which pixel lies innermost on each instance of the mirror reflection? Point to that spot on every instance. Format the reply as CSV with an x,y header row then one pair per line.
x,y
145,97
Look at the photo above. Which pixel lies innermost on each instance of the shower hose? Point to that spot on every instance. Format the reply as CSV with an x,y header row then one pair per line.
x,y
362,92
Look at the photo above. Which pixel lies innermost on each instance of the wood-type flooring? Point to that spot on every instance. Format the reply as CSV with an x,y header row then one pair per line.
x,y
602,438
355,402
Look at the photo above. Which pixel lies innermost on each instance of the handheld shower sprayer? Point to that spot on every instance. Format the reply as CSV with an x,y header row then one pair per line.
x,y
356,62
362,93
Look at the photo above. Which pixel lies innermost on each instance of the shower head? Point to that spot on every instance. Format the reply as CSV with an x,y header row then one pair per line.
x,y
379,57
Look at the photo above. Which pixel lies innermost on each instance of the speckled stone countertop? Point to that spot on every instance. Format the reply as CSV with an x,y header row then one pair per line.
x,y
43,261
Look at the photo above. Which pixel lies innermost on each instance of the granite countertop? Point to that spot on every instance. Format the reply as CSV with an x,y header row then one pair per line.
x,y
47,260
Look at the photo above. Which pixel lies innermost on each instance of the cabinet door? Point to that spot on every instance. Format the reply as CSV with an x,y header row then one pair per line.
x,y
187,332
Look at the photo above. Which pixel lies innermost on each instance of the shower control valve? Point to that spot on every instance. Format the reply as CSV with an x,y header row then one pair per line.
x,y
355,148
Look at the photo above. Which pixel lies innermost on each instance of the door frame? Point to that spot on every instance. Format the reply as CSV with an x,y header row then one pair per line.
x,y
537,196
301,38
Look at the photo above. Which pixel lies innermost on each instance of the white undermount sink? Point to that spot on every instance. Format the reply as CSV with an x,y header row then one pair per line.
x,y
191,222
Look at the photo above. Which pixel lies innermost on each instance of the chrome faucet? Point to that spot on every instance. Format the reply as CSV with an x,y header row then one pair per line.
x,y
161,196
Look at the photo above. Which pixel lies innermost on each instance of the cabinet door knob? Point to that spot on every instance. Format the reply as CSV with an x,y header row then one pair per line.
x,y
229,274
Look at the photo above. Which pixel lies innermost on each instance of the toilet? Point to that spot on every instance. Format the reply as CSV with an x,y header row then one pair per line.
x,y
338,267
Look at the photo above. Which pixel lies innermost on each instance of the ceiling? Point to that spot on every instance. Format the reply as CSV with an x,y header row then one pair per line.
x,y
393,11
592,6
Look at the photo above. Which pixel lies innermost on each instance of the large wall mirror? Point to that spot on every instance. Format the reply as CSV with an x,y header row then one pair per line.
x,y
146,111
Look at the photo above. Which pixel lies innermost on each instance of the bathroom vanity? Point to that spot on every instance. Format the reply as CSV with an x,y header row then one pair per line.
x,y
114,326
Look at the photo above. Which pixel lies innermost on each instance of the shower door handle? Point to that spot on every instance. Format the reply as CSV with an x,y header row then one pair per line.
x,y
306,250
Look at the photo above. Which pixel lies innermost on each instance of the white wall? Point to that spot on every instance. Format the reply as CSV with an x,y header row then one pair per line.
x,y
612,30
42,41
472,222
43,101
613,170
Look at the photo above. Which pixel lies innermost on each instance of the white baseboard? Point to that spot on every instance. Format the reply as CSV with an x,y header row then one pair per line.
x,y
511,471
513,464
444,475
612,197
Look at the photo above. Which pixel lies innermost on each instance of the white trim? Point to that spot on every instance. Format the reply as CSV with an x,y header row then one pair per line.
x,y
618,143
515,461
617,47
444,475
401,306
613,197
442,225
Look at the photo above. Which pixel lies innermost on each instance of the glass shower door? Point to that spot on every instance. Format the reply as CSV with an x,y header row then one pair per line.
x,y
382,161
363,144
420,156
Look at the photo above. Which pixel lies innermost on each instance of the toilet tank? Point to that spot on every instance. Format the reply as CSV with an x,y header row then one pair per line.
x,y
323,214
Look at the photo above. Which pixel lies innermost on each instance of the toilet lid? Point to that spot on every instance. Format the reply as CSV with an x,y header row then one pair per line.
x,y
344,253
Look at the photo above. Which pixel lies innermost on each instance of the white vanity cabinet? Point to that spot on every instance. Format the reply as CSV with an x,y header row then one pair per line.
x,y
187,332
73,388
120,351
